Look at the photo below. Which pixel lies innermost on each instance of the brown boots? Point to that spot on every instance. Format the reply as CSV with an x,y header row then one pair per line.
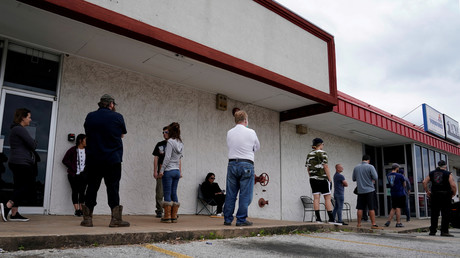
x,y
117,221
174,210
87,216
167,206
171,209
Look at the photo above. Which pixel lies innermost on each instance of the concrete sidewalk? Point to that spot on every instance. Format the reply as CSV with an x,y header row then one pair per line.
x,y
49,231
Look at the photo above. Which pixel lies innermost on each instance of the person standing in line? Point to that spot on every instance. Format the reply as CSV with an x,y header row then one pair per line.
x,y
171,172
443,189
75,160
21,162
398,196
407,190
364,175
104,129
320,179
158,157
242,144
339,194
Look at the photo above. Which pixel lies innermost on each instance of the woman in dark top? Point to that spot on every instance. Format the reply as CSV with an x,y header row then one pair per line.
x,y
74,160
212,190
21,162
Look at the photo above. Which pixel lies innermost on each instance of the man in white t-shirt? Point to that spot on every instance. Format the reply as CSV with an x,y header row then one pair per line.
x,y
242,143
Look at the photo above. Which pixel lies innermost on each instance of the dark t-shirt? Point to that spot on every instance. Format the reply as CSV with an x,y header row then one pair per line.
x,y
338,185
159,151
104,129
396,182
440,181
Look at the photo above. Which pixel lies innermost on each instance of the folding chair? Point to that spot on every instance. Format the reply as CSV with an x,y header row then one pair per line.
x,y
204,203
346,209
307,203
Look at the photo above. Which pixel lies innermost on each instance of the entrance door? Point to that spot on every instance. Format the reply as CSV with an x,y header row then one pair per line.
x,y
42,129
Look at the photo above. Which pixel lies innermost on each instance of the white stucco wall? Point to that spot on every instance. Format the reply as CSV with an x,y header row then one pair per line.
x,y
269,40
147,105
294,176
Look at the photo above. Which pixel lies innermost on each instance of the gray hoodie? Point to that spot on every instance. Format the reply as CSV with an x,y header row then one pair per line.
x,y
173,153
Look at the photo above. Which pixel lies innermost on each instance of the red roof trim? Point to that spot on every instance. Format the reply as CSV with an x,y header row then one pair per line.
x,y
97,16
359,110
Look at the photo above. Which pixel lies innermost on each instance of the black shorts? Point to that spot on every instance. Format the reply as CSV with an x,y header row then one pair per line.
x,y
398,202
366,200
320,186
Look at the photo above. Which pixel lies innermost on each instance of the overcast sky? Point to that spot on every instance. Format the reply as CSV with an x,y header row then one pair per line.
x,y
393,54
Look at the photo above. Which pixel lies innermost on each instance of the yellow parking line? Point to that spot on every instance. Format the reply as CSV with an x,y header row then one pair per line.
x,y
161,250
388,246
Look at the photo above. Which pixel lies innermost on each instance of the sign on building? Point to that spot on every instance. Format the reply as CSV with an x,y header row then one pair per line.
x,y
452,132
433,121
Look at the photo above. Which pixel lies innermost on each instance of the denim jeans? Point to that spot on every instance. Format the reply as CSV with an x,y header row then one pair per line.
x,y
240,177
170,181
339,199
407,208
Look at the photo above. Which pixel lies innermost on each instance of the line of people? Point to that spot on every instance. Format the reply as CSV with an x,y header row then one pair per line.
x,y
98,155
442,191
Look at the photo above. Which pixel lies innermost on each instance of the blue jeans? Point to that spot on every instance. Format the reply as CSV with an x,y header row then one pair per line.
x,y
407,209
339,199
240,177
170,181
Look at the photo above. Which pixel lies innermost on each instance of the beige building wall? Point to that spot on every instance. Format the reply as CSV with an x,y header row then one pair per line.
x,y
295,180
269,40
147,105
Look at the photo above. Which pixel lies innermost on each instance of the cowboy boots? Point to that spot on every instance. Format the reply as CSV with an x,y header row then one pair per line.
x,y
174,210
87,216
117,221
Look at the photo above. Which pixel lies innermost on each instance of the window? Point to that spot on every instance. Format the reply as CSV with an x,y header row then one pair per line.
x,y
31,69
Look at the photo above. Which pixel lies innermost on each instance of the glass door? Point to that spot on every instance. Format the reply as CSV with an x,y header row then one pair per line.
x,y
42,128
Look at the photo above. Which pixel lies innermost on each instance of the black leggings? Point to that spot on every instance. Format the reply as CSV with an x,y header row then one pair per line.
x,y
24,183
78,184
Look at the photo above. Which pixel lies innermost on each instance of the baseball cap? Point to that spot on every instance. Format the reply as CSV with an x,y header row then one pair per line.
x,y
317,141
394,166
108,98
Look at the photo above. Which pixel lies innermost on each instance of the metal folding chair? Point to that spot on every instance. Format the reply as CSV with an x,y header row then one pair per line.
x,y
307,203
204,203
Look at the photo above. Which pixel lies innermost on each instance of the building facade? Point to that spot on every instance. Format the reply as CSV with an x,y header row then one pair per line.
x,y
165,62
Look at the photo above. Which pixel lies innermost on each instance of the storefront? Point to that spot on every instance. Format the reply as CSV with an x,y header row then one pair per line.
x,y
59,57
416,161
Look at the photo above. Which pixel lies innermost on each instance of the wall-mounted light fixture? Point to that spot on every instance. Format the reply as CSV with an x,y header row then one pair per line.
x,y
301,129
221,102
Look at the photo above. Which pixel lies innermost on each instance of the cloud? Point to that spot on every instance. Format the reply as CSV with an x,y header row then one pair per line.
x,y
394,54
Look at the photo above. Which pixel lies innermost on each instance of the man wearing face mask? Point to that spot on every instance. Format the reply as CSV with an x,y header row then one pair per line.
x,y
242,143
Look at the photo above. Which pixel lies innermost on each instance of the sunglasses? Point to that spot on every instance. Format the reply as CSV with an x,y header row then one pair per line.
x,y
212,178
165,132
